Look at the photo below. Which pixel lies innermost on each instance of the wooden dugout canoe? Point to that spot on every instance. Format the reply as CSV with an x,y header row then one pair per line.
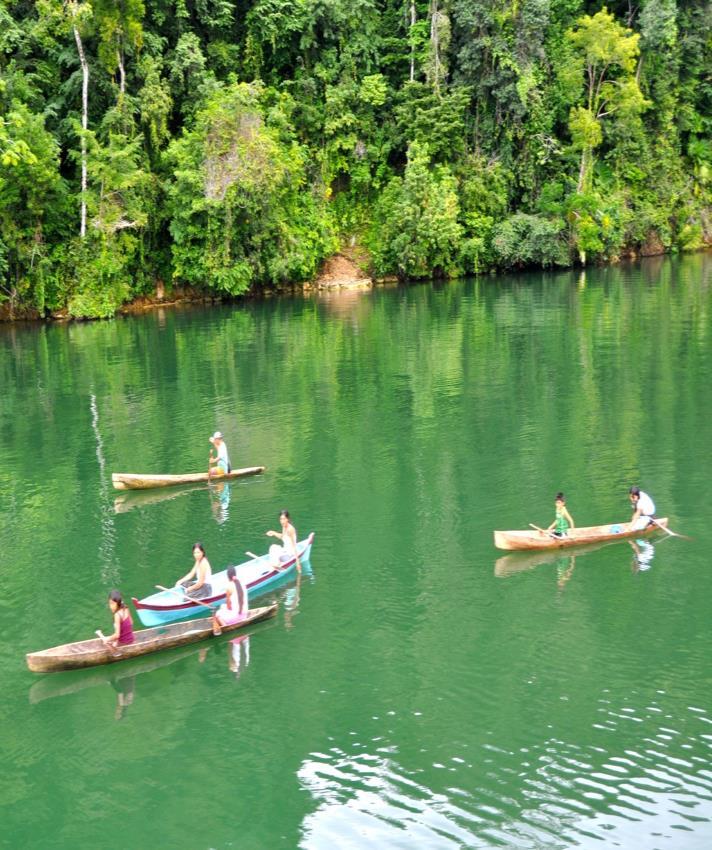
x,y
136,481
90,653
575,537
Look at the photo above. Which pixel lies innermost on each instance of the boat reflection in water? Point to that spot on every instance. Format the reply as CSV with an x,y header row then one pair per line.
x,y
219,494
121,677
131,499
517,562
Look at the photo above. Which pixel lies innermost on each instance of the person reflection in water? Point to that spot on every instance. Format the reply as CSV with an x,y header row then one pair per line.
x,y
125,689
238,658
643,553
564,571
290,602
220,502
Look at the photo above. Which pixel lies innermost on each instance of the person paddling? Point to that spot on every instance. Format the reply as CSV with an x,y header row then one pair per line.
x,y
197,581
219,465
288,536
643,509
235,606
123,624
563,521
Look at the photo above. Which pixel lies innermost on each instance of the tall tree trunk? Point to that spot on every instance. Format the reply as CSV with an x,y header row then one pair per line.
x,y
122,74
583,170
412,41
435,43
85,113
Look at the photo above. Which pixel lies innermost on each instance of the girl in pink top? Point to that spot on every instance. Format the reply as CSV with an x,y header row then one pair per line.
x,y
123,624
235,606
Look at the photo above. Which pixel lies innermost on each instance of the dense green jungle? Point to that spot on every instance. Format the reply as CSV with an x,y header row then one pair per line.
x,y
230,146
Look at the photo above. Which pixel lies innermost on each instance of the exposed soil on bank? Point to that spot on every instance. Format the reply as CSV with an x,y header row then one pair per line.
x,y
349,269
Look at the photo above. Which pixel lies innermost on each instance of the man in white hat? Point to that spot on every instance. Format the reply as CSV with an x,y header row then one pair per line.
x,y
219,465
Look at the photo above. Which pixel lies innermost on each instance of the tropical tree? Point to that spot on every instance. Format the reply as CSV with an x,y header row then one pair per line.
x,y
416,230
241,212
605,54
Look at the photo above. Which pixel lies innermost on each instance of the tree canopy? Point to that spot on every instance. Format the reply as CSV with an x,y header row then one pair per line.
x,y
236,144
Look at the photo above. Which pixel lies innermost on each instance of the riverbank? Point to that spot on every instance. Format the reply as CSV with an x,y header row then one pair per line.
x,y
348,269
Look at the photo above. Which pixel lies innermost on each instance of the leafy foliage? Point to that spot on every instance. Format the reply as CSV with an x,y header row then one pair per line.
x,y
234,146
417,232
239,209
530,240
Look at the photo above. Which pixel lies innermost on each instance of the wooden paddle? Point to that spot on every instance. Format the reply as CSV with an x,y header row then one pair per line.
x,y
185,595
114,650
216,628
257,558
543,530
668,531
280,569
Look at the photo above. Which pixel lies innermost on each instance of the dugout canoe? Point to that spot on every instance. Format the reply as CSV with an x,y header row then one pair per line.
x,y
90,653
137,481
257,575
576,536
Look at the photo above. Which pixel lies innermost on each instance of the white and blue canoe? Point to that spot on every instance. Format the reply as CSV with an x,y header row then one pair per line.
x,y
257,575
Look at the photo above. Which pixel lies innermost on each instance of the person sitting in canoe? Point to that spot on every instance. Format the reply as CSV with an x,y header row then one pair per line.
x,y
235,606
123,624
197,581
219,465
563,520
643,509
288,536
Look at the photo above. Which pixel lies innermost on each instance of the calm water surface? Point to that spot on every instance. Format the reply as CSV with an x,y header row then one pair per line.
x,y
418,687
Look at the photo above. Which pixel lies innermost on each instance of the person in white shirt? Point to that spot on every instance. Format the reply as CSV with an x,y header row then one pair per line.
x,y
221,463
643,509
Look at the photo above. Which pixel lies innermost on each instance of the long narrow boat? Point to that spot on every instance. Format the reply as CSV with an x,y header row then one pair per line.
x,y
137,481
90,653
257,575
575,536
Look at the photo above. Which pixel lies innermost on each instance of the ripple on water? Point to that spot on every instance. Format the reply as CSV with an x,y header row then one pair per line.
x,y
368,799
554,795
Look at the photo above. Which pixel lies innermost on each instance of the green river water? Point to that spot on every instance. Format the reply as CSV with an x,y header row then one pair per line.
x,y
418,688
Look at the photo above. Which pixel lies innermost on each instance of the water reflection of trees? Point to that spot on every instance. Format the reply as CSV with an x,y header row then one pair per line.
x,y
590,388
515,344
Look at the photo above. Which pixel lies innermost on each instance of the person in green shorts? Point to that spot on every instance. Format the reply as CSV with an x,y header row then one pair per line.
x,y
564,521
